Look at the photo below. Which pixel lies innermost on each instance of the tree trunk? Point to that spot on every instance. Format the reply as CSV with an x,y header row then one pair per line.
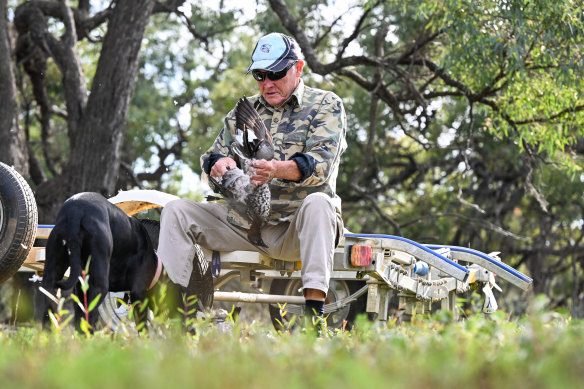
x,y
95,151
96,124
13,149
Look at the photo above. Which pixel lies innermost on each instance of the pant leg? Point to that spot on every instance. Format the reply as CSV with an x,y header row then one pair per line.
x,y
184,223
313,234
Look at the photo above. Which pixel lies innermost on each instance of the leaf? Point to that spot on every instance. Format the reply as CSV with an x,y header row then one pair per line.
x,y
85,327
48,294
54,320
66,320
93,303
76,299
83,280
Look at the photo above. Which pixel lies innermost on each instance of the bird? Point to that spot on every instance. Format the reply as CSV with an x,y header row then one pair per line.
x,y
254,142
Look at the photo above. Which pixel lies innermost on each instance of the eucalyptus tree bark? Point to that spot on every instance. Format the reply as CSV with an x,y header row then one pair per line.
x,y
95,119
13,150
96,142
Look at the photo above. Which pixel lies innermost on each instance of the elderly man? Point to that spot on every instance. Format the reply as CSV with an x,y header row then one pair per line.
x,y
308,128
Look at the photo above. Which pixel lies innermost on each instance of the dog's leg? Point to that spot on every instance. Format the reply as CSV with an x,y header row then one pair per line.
x,y
140,307
56,263
101,248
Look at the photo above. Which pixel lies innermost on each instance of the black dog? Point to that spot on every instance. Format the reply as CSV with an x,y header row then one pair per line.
x,y
121,250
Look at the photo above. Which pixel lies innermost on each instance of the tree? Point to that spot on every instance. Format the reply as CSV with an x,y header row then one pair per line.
x,y
81,65
95,120
13,148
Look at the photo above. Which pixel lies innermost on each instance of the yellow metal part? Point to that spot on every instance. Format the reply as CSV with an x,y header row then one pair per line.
x,y
472,277
134,207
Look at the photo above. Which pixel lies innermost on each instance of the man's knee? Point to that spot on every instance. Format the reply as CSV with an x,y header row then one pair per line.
x,y
318,201
172,206
173,210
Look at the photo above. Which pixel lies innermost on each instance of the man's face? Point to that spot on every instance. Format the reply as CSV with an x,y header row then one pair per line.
x,y
277,92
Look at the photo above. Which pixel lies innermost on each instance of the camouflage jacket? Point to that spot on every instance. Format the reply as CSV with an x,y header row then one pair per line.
x,y
311,122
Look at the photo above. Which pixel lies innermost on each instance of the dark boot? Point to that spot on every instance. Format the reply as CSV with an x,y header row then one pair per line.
x,y
314,320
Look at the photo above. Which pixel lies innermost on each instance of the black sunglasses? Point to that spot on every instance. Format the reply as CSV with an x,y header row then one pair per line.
x,y
274,76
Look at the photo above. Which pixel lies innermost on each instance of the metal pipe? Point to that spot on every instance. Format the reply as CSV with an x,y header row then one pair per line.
x,y
257,298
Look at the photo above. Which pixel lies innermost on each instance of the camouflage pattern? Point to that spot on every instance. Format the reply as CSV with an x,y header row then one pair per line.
x,y
312,121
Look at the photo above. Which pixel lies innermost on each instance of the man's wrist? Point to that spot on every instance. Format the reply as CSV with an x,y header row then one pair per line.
x,y
210,161
286,170
306,165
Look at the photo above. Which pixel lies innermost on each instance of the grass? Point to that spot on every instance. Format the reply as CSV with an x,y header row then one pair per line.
x,y
541,350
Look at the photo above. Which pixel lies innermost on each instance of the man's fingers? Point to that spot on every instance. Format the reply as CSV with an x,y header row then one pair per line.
x,y
257,182
217,171
220,167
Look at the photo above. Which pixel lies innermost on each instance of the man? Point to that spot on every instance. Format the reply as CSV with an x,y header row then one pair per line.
x,y
308,128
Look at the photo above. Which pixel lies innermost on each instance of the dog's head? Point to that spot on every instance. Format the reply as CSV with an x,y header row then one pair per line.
x,y
153,229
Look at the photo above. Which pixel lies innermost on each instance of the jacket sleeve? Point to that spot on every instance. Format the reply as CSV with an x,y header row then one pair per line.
x,y
220,147
326,140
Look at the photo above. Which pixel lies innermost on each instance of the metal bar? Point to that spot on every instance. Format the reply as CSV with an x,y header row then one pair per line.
x,y
241,297
402,258
282,299
35,255
502,270
43,231
222,280
335,274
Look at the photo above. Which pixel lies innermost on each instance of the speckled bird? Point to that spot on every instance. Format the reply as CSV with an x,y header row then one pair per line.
x,y
235,186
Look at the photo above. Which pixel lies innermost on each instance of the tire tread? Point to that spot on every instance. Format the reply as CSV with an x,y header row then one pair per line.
x,y
17,246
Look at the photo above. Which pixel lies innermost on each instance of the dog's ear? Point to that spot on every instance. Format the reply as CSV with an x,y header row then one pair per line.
x,y
153,229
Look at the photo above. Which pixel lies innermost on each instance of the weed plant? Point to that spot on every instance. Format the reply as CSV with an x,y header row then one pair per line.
x,y
541,350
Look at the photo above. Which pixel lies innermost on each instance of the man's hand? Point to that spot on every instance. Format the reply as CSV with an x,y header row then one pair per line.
x,y
221,166
261,171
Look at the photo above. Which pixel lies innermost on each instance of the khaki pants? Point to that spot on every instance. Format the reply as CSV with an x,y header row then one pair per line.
x,y
310,236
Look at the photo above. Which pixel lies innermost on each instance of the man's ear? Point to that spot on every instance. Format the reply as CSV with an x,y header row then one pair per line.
x,y
299,67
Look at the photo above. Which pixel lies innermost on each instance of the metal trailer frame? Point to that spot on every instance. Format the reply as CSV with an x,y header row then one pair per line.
x,y
420,274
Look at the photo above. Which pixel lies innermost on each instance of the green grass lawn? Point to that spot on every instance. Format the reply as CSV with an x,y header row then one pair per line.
x,y
541,350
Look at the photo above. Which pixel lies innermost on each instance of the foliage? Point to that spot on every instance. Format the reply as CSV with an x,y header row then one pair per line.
x,y
541,350
525,49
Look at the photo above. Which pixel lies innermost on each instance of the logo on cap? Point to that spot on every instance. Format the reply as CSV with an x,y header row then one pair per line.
x,y
266,48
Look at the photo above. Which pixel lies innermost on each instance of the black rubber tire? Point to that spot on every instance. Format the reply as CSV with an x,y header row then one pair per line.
x,y
281,287
18,221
